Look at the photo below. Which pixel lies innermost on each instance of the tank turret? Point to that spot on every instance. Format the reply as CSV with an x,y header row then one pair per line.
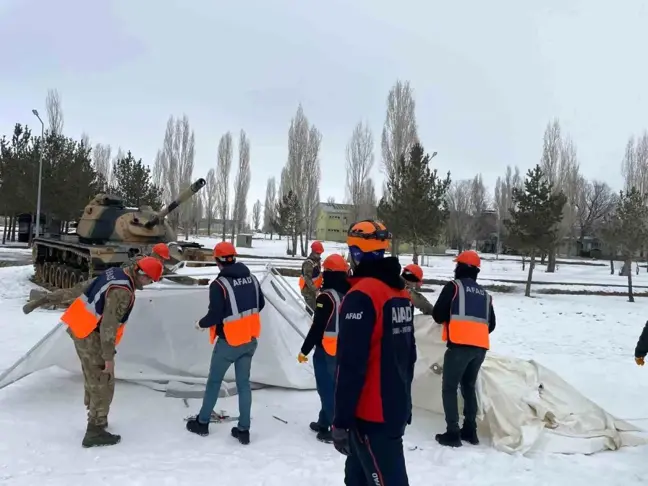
x,y
105,219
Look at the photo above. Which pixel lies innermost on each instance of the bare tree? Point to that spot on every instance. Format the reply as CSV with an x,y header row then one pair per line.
x,y
460,226
634,166
54,111
103,163
270,206
359,162
503,199
368,202
256,215
241,185
330,200
311,176
400,130
594,203
173,168
225,155
211,188
85,139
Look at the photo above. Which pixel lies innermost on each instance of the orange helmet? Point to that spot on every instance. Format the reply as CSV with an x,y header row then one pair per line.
x,y
469,257
162,250
151,267
368,236
335,263
317,247
413,272
225,251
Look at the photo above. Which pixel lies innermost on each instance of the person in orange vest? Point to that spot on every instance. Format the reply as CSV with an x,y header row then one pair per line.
x,y
162,253
96,320
466,311
413,277
311,276
323,337
376,354
234,323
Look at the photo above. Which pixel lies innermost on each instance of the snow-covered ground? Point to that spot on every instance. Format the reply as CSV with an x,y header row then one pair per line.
x,y
588,340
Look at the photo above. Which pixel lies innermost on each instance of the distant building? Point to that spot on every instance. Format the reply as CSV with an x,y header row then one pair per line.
x,y
333,221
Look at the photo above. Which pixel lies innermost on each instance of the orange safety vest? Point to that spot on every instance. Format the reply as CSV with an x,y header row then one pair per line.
x,y
332,329
85,313
317,277
469,327
241,327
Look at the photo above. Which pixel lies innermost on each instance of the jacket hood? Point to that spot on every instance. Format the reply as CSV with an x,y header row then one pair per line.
x,y
336,281
235,270
316,257
387,270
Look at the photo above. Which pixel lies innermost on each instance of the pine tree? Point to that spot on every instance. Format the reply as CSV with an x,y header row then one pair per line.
x,y
415,210
132,182
536,212
629,227
288,221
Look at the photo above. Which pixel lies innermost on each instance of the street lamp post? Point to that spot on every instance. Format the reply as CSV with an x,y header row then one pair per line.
x,y
40,172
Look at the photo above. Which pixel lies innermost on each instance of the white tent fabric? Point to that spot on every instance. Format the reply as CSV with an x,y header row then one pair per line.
x,y
524,407
162,346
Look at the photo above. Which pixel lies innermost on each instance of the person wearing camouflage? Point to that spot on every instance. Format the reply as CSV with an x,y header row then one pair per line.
x,y
106,301
311,276
413,277
161,252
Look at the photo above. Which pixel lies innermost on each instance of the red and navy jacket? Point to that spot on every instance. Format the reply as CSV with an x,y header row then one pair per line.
x,y
376,351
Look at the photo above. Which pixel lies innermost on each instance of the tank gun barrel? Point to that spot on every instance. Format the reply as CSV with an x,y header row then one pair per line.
x,y
182,197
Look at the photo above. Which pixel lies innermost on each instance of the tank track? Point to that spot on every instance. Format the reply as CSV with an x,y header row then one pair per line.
x,y
54,275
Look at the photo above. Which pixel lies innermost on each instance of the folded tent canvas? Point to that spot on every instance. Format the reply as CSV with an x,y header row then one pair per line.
x,y
524,407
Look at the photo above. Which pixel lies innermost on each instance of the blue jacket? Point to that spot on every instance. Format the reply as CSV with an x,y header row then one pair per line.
x,y
219,307
376,351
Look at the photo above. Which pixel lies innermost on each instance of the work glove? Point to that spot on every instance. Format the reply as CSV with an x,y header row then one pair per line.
x,y
203,281
639,361
341,441
302,358
197,325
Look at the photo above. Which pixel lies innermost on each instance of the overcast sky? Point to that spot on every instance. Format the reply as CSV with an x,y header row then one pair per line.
x,y
487,76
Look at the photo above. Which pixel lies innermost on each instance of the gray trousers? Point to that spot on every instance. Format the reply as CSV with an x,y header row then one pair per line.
x,y
223,357
460,369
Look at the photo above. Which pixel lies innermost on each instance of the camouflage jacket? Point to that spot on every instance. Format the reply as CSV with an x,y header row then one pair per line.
x,y
419,300
308,267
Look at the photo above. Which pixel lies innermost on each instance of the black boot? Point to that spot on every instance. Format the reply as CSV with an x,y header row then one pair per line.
x,y
324,435
97,437
243,436
198,428
449,439
315,426
469,434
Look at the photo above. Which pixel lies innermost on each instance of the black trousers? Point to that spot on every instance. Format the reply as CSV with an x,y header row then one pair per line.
x,y
376,460
460,368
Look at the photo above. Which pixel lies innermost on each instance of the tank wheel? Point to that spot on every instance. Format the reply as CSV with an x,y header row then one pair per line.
x,y
38,271
65,277
74,277
83,276
51,274
59,276
44,273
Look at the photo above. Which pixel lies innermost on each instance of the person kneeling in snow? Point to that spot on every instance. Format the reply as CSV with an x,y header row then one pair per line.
x,y
96,320
466,311
323,337
234,322
413,277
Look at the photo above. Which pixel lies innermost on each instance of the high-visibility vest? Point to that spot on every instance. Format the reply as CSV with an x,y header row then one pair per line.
x,y
241,326
332,329
86,311
469,315
317,276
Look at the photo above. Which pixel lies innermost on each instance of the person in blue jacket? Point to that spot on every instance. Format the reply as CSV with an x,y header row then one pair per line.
x,y
234,323
376,354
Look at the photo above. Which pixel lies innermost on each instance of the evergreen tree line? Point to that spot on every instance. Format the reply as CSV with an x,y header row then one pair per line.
x,y
69,178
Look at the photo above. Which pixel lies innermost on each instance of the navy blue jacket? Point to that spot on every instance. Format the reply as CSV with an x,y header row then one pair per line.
x,y
219,306
376,351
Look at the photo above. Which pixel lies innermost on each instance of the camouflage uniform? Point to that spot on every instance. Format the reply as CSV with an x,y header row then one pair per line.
x,y
94,351
309,292
179,279
418,299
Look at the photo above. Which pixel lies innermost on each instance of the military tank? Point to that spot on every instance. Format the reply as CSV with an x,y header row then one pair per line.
x,y
108,234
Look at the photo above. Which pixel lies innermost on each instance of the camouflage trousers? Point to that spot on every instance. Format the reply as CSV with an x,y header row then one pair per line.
x,y
309,298
99,387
